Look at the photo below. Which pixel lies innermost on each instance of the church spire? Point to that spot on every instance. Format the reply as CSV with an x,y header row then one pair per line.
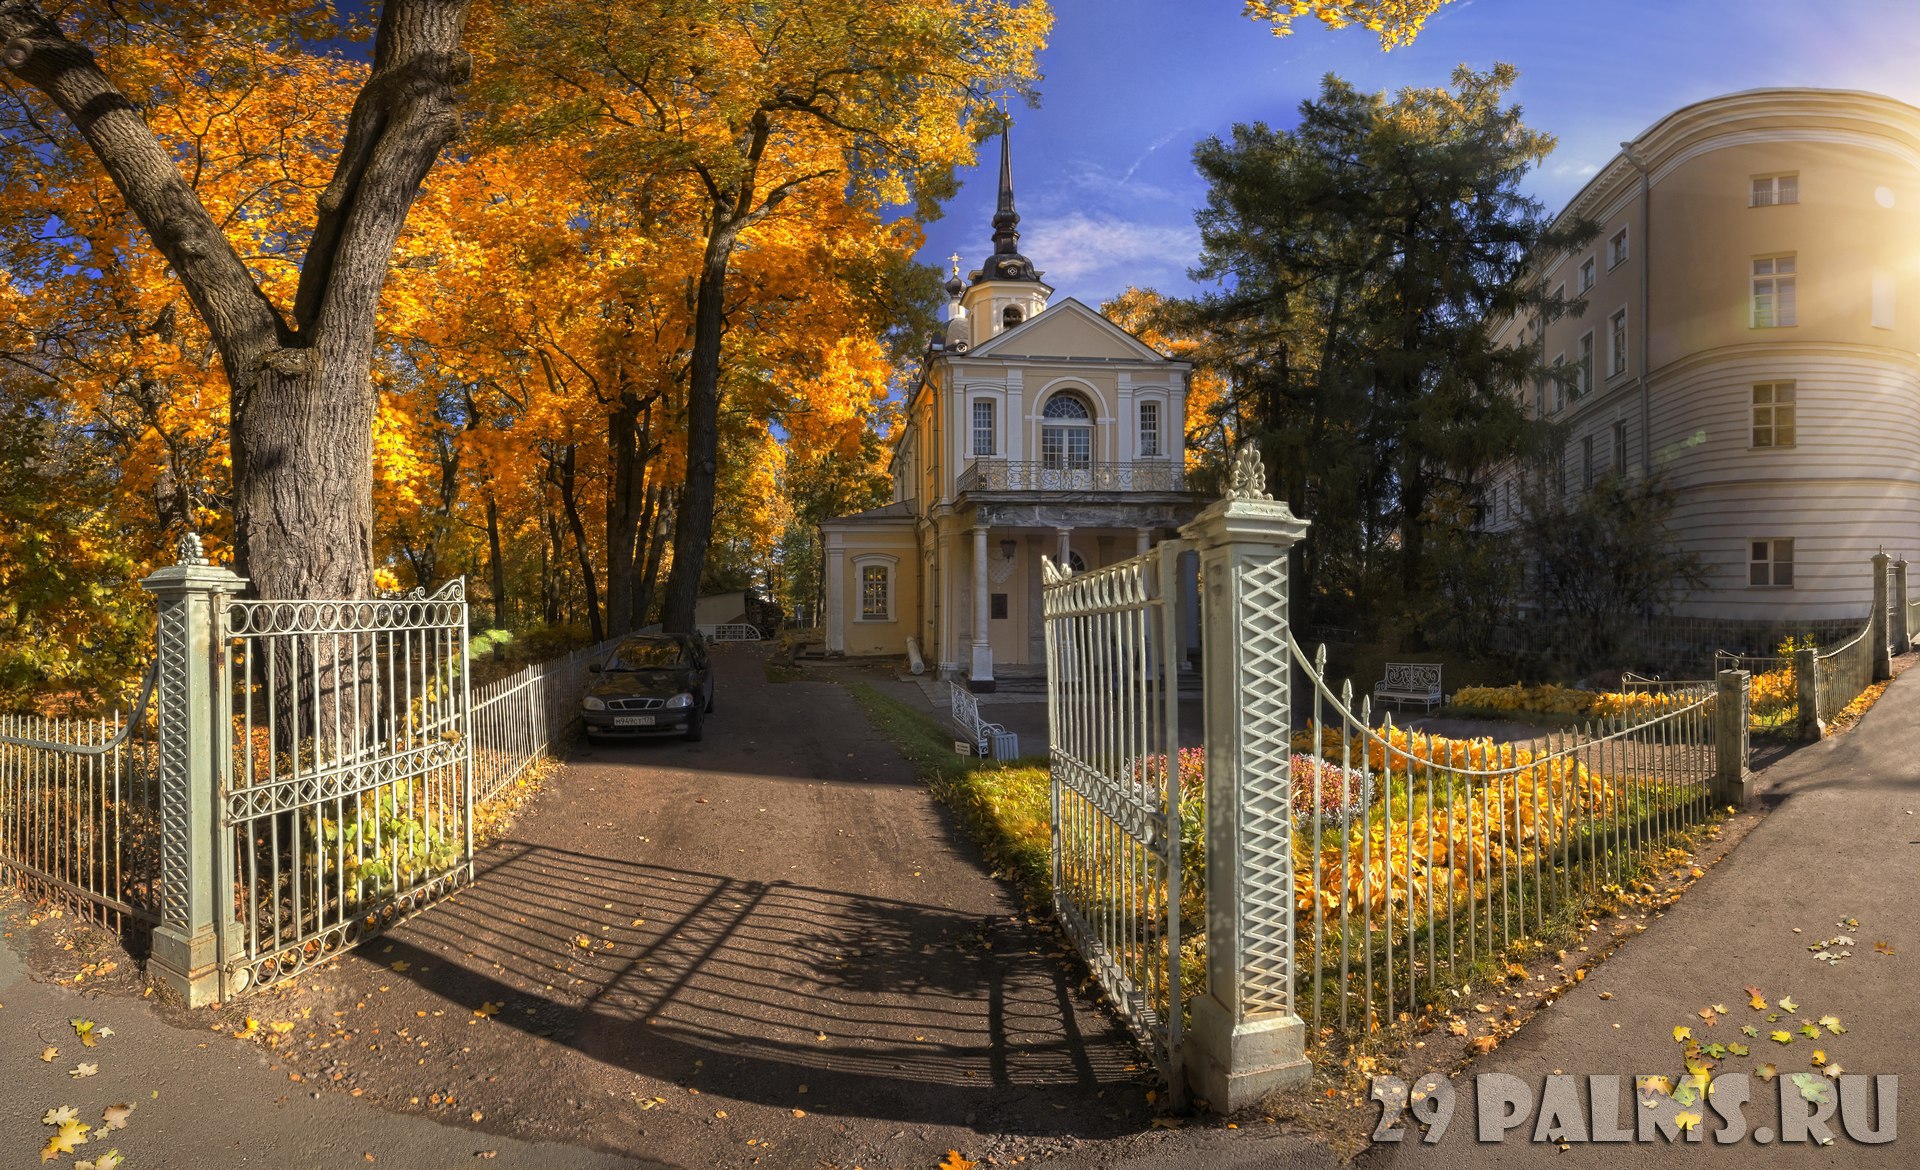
x,y
1006,263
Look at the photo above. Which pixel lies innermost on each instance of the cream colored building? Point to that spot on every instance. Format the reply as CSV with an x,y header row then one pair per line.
x,y
1751,326
1035,428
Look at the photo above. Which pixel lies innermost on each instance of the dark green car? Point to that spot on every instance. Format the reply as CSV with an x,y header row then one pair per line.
x,y
652,684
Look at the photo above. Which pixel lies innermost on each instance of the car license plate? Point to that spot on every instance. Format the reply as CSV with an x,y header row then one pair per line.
x,y
633,721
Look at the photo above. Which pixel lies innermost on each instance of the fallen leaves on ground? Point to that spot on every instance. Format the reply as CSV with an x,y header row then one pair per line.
x,y
115,1117
108,1161
69,1132
85,1029
953,1161
49,1054
1787,1004
83,1070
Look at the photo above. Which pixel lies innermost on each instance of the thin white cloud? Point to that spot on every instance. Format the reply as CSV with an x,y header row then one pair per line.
x,y
1086,254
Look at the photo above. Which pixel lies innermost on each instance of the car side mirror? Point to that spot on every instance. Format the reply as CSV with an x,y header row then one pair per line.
x,y
593,668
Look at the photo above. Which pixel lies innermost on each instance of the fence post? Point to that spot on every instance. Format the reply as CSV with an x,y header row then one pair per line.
x,y
1902,634
1246,1039
1806,678
1731,782
193,911
1877,620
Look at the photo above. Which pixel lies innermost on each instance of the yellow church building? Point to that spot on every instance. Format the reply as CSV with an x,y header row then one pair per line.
x,y
1035,428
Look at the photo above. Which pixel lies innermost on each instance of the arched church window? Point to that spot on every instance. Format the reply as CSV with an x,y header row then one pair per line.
x,y
1066,435
1012,316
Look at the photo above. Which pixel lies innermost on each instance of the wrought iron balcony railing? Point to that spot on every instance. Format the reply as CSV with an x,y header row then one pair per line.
x,y
1014,475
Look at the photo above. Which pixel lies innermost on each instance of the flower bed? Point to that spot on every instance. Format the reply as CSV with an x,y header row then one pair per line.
x,y
1556,700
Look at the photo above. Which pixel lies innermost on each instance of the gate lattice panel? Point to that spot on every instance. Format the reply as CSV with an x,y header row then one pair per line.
x,y
346,784
1112,659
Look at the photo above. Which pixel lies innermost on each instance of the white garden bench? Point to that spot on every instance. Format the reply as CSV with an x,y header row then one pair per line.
x,y
981,733
1410,682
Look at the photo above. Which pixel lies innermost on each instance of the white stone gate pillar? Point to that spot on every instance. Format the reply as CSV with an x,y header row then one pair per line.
x,y
194,909
1246,1039
1902,635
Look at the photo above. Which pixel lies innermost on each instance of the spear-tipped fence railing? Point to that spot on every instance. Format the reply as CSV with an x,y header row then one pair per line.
x,y
80,811
1418,857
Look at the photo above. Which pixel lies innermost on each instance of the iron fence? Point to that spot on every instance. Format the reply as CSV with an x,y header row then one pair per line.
x,y
346,781
518,719
1419,856
80,811
1774,701
1116,791
1843,674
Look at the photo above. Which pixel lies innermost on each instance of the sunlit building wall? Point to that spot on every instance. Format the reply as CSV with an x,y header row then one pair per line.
x,y
1750,327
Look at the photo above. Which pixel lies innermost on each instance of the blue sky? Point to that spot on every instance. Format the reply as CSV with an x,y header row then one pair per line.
x,y
1103,169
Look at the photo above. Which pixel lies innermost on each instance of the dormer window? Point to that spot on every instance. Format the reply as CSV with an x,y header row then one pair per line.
x,y
1011,317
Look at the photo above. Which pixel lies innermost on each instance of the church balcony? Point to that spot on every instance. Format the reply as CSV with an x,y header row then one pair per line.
x,y
1014,475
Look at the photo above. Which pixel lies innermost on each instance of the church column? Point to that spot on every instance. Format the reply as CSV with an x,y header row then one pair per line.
x,y
836,614
1142,540
981,679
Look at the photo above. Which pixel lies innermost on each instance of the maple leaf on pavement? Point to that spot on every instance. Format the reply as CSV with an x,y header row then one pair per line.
x,y
954,1161
115,1117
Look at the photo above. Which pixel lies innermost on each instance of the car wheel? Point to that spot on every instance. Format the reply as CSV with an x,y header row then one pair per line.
x,y
696,729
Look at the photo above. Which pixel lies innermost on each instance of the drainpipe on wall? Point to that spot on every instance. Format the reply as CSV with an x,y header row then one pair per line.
x,y
1646,306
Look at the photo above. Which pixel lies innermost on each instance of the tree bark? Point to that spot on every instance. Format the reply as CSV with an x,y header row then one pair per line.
x,y
302,401
497,563
562,469
693,530
663,524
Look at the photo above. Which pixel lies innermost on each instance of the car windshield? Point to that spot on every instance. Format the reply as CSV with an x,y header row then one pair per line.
x,y
648,655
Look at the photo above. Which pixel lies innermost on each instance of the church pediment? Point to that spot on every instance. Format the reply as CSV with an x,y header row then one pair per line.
x,y
1067,329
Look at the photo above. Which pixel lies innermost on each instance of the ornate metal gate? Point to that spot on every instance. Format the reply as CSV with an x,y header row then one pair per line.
x,y
1112,636
346,782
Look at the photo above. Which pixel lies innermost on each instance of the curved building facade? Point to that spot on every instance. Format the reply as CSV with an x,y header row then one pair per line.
x,y
1751,330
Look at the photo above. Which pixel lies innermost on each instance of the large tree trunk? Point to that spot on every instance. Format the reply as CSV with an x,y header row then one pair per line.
x,y
663,524
302,402
694,529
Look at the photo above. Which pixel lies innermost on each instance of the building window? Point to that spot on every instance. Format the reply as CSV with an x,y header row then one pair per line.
x,y
1011,317
1770,190
1556,393
1617,344
1770,564
1620,448
1066,437
1586,462
1583,370
1773,292
1150,428
1616,248
983,428
998,604
1586,274
1773,414
876,593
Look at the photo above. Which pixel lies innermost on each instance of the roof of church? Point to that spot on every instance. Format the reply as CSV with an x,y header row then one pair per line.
x,y
898,510
1006,263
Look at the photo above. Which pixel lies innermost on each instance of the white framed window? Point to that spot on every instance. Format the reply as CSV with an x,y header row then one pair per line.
x,y
1770,563
1150,429
1617,343
1616,248
1773,299
1557,384
1586,274
985,432
1774,414
1586,462
875,575
1066,434
1559,293
1619,447
1773,190
1583,367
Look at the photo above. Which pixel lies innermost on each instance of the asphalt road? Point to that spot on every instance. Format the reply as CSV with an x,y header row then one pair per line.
x,y
769,947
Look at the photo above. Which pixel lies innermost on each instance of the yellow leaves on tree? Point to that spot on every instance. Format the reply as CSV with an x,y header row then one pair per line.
x,y
1396,21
